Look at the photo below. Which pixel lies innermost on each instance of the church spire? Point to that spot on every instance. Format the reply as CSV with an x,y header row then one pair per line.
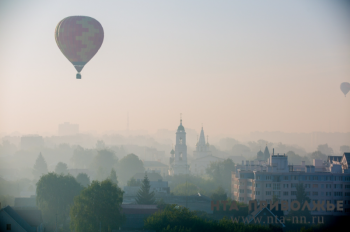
x,y
201,138
181,128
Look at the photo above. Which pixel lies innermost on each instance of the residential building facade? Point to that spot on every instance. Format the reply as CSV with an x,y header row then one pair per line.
x,y
323,182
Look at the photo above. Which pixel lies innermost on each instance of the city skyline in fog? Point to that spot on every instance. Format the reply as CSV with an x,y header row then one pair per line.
x,y
231,66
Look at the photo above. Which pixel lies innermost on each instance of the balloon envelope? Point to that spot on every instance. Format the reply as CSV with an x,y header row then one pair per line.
x,y
345,87
79,38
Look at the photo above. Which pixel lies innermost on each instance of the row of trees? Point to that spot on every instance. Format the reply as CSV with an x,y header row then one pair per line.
x,y
90,206
102,163
180,219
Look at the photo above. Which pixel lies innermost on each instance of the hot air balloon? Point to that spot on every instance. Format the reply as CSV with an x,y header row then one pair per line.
x,y
79,38
345,87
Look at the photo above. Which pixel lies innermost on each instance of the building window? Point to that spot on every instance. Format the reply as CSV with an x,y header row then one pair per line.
x,y
338,194
258,177
285,193
307,193
180,141
285,178
257,185
268,185
328,193
328,186
347,194
293,193
257,193
315,186
241,199
347,186
314,193
322,193
276,186
268,177
322,185
241,191
315,177
268,192
293,185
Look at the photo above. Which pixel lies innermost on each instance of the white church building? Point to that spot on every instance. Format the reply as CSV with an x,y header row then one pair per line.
x,y
202,156
178,158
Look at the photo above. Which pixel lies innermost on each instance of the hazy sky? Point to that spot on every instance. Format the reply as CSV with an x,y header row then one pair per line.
x,y
235,66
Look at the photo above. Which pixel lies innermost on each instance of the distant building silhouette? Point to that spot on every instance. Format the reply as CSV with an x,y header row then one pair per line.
x,y
68,129
31,141
203,156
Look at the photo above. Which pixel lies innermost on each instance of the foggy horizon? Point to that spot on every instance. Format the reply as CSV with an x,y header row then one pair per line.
x,y
235,73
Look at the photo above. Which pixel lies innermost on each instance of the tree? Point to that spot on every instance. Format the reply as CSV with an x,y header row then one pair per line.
x,y
275,198
180,219
101,174
113,177
81,157
318,155
301,197
144,196
129,166
106,159
219,194
83,179
221,173
97,205
161,204
54,195
301,194
296,159
325,149
240,149
133,182
226,144
61,168
40,167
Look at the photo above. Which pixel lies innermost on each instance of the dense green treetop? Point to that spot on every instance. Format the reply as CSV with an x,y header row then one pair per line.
x,y
98,204
61,168
113,177
144,195
129,166
40,167
83,179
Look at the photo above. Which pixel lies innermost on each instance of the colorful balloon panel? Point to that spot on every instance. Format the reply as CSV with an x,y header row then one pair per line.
x,y
79,38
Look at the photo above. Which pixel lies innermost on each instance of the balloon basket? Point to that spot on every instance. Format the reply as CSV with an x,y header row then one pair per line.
x,y
78,76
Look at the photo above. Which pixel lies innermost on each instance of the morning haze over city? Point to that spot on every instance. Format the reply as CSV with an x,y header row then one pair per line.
x,y
167,107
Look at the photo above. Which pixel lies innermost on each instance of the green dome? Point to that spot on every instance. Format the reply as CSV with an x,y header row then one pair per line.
x,y
181,127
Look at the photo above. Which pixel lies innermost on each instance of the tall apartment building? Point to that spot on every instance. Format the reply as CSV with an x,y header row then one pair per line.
x,y
323,181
